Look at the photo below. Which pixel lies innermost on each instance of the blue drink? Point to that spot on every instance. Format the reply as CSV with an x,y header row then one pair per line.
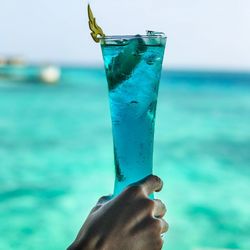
x,y
133,67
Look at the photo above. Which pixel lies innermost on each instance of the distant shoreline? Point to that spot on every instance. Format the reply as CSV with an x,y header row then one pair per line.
x,y
185,75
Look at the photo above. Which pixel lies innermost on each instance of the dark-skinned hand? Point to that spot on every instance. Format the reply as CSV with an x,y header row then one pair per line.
x,y
131,221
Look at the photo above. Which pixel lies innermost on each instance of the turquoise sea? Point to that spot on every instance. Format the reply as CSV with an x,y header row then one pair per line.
x,y
56,158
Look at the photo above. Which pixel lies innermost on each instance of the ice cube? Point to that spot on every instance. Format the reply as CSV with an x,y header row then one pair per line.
x,y
156,38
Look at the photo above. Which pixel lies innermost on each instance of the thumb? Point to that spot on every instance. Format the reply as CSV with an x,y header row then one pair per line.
x,y
104,199
101,202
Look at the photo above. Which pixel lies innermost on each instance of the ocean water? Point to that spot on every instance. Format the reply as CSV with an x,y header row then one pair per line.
x,y
56,158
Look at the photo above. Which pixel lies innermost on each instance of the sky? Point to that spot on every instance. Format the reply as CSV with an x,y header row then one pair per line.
x,y
202,34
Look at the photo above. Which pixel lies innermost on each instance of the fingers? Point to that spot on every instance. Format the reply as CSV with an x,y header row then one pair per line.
x,y
159,209
150,184
164,226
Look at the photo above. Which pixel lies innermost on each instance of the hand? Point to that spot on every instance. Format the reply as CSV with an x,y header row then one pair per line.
x,y
131,221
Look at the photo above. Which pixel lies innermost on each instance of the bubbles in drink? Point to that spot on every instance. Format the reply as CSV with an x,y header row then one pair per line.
x,y
133,67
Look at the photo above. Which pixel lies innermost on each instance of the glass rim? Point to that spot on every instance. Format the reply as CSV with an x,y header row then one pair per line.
x,y
120,37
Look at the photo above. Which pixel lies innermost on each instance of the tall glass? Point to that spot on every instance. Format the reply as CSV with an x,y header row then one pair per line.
x,y
133,68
